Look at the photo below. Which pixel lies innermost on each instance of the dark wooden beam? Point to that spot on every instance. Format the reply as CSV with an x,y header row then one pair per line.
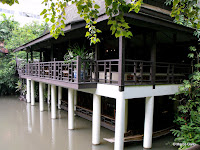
x,y
121,65
153,58
97,52
40,56
52,52
32,55
27,57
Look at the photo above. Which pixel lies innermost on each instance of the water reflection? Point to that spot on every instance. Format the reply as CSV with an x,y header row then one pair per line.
x,y
28,109
33,115
71,140
53,131
32,129
41,123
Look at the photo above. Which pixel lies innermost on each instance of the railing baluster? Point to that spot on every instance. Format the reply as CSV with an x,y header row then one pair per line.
x,y
168,71
54,69
96,71
135,72
141,72
38,69
110,79
105,76
28,69
172,73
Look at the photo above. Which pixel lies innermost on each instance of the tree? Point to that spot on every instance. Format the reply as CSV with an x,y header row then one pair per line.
x,y
186,12
9,2
88,9
6,27
188,115
22,35
14,37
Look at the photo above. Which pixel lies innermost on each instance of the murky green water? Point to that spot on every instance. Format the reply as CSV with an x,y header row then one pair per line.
x,y
24,127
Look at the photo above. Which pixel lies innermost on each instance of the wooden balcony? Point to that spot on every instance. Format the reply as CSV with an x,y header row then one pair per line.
x,y
86,73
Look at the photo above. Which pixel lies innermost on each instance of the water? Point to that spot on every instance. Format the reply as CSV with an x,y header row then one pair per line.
x,y
24,127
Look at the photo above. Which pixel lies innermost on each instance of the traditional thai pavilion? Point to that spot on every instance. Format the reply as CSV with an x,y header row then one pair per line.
x,y
128,83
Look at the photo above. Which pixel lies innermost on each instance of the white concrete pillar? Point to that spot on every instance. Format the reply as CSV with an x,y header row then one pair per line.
x,y
126,116
70,109
75,99
53,101
32,92
96,119
28,88
49,94
59,97
41,96
119,122
148,124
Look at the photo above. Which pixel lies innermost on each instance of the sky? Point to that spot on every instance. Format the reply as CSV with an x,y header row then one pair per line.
x,y
29,6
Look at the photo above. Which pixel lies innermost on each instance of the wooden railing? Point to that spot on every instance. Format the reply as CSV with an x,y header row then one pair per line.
x,y
78,71
137,72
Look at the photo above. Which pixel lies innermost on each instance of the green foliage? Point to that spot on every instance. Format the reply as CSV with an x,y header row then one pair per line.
x,y
6,27
188,116
89,10
15,37
75,51
7,74
22,35
186,12
21,87
9,2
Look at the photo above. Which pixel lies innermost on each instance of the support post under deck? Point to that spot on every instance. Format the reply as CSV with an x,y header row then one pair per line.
x,y
53,101
70,109
32,92
96,119
28,95
126,116
119,122
148,124
49,94
41,96
59,97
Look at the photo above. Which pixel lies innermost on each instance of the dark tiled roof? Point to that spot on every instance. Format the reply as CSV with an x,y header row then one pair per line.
x,y
73,16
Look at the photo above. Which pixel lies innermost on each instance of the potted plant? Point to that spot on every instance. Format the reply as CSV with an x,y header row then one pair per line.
x,y
75,51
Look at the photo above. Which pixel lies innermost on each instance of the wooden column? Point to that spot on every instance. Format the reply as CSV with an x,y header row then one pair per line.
x,y
31,56
153,58
52,52
121,65
97,57
40,56
27,57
